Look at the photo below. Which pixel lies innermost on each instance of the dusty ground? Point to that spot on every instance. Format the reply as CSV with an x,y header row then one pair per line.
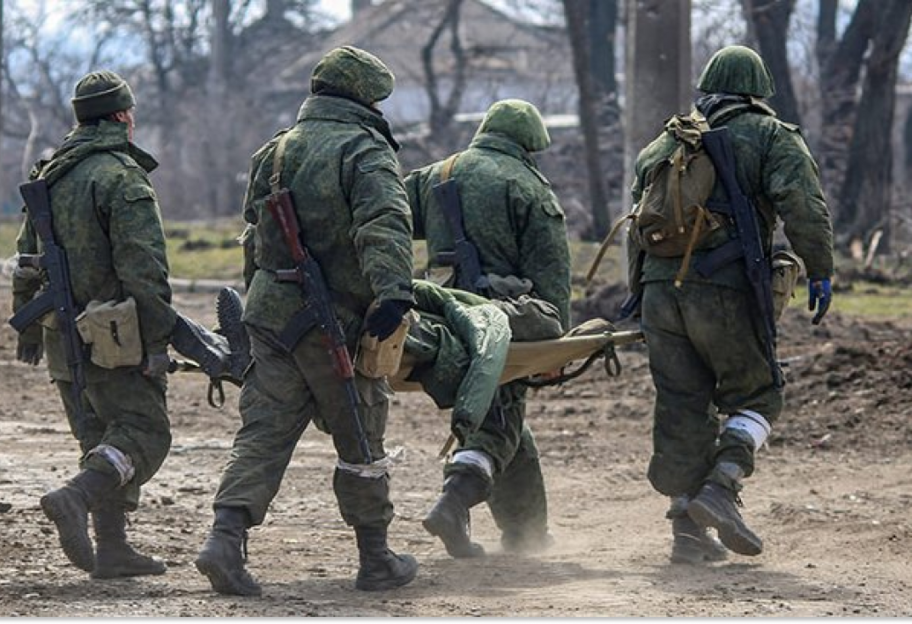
x,y
831,498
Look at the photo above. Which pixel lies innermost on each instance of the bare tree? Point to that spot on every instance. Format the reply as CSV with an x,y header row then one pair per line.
x,y
769,20
577,16
443,109
865,196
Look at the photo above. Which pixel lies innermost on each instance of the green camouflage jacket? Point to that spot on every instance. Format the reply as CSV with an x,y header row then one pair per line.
x,y
509,212
107,219
775,169
341,168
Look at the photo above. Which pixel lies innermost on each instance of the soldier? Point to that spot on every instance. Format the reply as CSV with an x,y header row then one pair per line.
x,y
339,162
708,353
515,222
106,217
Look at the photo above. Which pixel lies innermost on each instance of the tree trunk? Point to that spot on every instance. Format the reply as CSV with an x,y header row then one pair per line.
x,y
770,20
218,184
866,192
840,71
575,12
443,109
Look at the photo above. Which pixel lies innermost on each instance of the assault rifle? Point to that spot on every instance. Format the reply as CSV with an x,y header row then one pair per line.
x,y
308,274
465,255
58,295
717,143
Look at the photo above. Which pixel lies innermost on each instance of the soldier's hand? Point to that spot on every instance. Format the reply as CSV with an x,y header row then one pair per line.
x,y
29,352
156,364
383,321
820,294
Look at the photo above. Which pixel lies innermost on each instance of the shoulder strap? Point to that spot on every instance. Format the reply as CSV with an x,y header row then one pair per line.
x,y
446,171
277,161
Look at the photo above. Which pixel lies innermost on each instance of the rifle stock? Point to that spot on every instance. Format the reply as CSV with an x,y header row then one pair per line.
x,y
717,143
308,274
465,255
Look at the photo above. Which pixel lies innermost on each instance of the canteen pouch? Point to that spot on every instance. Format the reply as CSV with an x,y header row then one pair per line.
x,y
786,267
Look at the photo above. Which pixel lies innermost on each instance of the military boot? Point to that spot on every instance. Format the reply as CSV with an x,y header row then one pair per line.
x,y
68,508
230,312
114,557
449,517
692,543
223,555
381,568
716,506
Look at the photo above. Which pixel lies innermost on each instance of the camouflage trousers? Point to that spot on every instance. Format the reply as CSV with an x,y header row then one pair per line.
x,y
282,393
129,412
518,501
707,357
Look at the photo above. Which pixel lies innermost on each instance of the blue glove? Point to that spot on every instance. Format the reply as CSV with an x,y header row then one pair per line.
x,y
383,321
819,296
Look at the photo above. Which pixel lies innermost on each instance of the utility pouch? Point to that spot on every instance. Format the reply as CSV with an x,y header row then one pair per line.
x,y
786,268
381,358
112,328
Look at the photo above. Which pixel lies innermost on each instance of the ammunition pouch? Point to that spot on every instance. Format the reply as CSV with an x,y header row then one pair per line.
x,y
786,267
381,358
112,328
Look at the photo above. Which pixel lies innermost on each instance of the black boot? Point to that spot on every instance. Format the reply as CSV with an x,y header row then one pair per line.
x,y
68,507
692,544
381,568
223,556
716,506
449,517
114,557
230,312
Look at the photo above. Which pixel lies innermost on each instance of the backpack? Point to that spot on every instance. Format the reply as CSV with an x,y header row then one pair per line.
x,y
671,218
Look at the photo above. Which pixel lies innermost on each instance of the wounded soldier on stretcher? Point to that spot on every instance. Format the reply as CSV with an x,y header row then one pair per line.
x,y
462,346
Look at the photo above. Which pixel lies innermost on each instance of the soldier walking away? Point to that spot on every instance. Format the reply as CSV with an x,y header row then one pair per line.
x,y
106,219
334,175
499,231
707,316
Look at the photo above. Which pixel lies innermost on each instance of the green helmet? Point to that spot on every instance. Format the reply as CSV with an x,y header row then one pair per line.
x,y
351,72
518,120
737,69
100,94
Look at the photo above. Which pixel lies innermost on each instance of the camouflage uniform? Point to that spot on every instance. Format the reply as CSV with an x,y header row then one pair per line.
x,y
106,217
341,168
706,343
515,221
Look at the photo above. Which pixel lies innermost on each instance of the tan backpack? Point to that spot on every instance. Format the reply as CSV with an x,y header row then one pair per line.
x,y
671,218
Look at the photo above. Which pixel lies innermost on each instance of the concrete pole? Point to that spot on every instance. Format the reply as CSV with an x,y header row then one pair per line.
x,y
657,78
658,73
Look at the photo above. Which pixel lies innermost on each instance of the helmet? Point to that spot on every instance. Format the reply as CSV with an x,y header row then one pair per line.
x,y
351,72
518,120
737,69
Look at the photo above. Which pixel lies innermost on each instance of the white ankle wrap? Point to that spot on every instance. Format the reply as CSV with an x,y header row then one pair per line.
x,y
375,470
117,458
751,423
479,459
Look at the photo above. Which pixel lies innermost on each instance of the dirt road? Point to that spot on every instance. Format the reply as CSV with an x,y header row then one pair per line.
x,y
831,499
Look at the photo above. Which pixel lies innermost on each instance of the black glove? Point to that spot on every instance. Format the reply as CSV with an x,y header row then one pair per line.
x,y
156,364
29,352
383,321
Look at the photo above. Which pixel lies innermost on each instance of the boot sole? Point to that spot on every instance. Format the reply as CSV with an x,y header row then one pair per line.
x,y
445,532
392,583
222,582
117,572
733,535
76,546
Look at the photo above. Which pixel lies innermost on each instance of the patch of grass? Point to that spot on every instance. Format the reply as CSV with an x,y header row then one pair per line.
x,y
868,300
9,228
